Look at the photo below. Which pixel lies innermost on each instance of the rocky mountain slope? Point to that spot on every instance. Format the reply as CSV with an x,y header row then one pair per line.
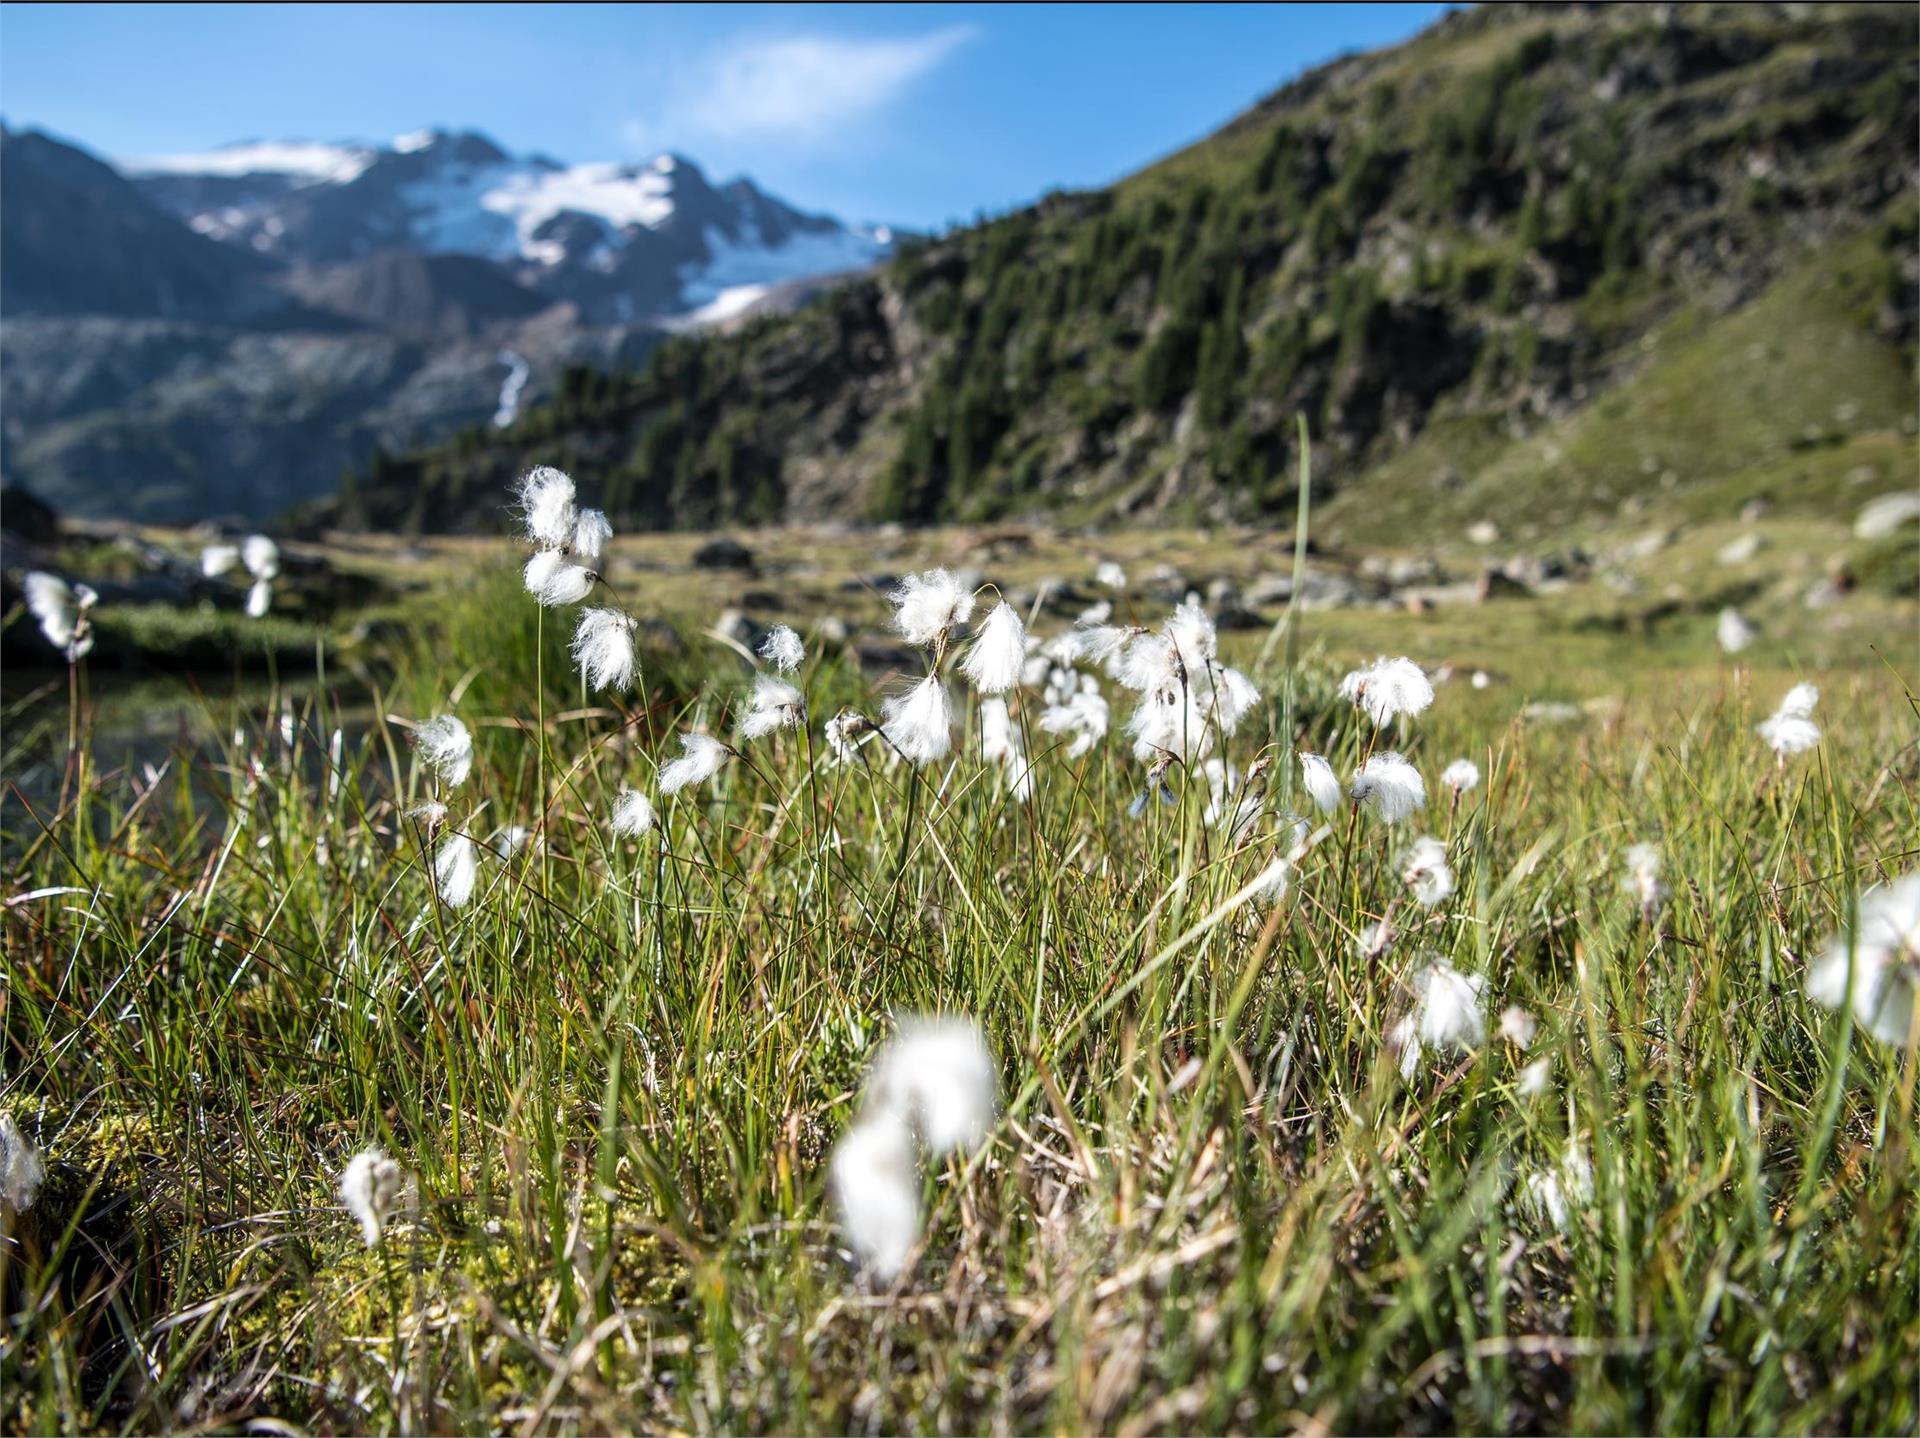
x,y
226,335
1526,268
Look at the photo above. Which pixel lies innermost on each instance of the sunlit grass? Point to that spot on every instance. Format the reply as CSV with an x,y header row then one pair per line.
x,y
1210,1201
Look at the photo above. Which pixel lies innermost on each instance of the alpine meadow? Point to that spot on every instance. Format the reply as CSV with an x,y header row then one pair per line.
x,y
1280,798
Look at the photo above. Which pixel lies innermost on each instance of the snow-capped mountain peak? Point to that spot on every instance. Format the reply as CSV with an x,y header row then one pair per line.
x,y
622,239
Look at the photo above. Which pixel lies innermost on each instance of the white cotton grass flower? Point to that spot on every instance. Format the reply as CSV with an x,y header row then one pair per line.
x,y
604,648
876,1189
1790,729
554,581
1518,1027
1536,1078
430,815
456,869
1446,1015
1555,1194
844,733
218,559
259,598
261,556
1323,786
1387,689
1426,871
1191,631
1230,696
1168,721
61,609
1734,631
1389,787
999,741
919,723
1374,940
447,747
782,649
1101,643
1462,776
1084,715
937,1074
22,1170
1877,967
927,606
775,705
700,759
632,814
1110,574
1642,880
546,503
591,531
999,652
374,1188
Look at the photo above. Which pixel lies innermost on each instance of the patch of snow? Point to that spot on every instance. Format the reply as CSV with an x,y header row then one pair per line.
x,y
752,262
309,160
725,305
413,140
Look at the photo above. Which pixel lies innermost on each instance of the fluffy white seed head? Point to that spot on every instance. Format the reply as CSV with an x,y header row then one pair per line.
x,y
1230,696
1446,1015
546,502
1389,787
603,647
926,606
700,759
259,598
1323,786
782,649
877,1191
998,740
1642,879
591,531
844,733
447,747
1790,729
540,569
1555,1195
632,814
999,652
22,1170
1733,631
775,704
1374,940
1462,776
1877,967
61,609
1111,575
261,556
1518,1027
1426,871
511,840
1535,1078
1388,688
919,723
937,1075
429,815
374,1188
1191,632
1084,715
456,869
218,559
560,581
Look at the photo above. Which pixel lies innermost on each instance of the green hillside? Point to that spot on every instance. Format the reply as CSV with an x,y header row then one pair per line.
x,y
1525,267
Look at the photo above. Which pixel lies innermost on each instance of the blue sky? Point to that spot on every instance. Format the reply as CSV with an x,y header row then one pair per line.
x,y
916,114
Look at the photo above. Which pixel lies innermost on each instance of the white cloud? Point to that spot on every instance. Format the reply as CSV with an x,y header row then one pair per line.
x,y
804,87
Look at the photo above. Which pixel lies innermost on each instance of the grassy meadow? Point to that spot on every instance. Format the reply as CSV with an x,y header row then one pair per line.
x,y
1211,1198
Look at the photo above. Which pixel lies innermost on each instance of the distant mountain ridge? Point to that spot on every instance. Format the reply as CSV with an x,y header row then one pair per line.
x,y
1510,271
227,334
623,242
